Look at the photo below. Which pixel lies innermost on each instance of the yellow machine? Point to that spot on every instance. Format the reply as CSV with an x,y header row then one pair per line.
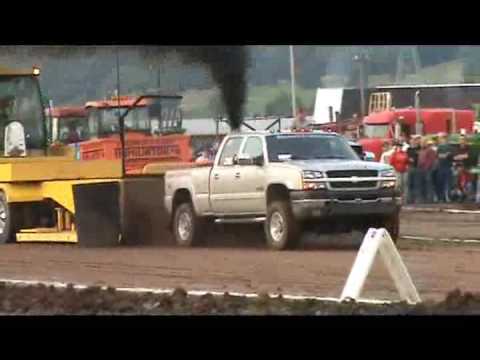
x,y
49,196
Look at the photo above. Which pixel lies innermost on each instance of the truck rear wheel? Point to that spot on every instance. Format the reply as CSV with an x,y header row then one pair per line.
x,y
187,226
281,229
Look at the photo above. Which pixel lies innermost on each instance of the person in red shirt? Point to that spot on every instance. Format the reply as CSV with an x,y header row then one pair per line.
x,y
399,161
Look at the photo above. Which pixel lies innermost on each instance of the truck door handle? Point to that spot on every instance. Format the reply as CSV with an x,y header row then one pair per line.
x,y
216,176
237,175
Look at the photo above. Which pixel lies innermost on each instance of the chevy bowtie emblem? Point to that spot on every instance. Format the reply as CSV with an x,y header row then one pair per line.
x,y
354,179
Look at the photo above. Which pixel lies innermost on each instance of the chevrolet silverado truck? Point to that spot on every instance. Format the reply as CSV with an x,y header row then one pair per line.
x,y
291,182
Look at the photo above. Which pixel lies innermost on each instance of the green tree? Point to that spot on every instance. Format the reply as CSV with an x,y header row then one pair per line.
x,y
281,105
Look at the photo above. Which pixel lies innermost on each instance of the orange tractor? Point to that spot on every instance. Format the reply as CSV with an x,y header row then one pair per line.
x,y
153,131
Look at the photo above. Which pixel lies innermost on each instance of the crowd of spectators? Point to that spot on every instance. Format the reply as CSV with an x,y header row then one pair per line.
x,y
432,170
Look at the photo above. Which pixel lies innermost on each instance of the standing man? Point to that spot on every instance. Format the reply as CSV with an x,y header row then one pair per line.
x,y
399,161
387,153
413,181
427,158
461,163
444,169
72,135
300,121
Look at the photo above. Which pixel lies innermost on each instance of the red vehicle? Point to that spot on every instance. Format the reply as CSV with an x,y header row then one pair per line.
x,y
387,124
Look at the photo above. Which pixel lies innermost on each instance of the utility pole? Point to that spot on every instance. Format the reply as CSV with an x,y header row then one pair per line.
x,y
407,54
362,59
292,76
158,75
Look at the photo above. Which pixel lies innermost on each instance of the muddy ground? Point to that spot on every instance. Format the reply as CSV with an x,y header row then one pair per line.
x,y
229,264
43,300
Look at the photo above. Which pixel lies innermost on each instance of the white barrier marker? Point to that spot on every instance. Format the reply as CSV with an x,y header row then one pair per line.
x,y
379,240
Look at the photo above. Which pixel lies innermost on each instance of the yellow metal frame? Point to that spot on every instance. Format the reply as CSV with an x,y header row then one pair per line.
x,y
56,168
59,191
41,235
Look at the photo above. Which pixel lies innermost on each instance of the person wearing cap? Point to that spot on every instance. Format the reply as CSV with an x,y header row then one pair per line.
x,y
412,177
427,158
444,168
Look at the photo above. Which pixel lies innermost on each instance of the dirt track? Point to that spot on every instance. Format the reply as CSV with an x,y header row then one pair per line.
x,y
248,267
435,270
441,225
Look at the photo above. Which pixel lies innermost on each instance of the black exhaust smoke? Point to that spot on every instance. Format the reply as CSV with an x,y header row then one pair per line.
x,y
228,67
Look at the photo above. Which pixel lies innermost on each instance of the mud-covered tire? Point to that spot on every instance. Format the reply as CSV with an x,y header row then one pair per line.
x,y
392,224
6,228
282,231
187,226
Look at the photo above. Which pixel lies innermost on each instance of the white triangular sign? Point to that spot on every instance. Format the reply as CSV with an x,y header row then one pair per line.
x,y
379,240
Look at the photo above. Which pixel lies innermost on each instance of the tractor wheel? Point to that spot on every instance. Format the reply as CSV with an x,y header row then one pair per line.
x,y
6,228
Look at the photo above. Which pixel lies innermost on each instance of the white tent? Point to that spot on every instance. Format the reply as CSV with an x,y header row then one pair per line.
x,y
326,98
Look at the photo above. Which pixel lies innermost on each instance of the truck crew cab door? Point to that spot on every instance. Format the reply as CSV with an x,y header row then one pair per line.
x,y
251,180
224,178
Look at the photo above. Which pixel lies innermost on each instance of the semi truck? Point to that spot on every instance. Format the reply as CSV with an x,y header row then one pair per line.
x,y
385,123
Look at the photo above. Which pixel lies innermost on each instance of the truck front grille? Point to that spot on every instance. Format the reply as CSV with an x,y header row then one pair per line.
x,y
352,184
350,173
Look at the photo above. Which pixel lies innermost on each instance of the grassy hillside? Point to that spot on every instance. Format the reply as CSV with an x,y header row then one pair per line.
x,y
196,102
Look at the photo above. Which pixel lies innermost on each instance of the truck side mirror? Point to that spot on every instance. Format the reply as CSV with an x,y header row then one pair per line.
x,y
14,141
244,160
258,161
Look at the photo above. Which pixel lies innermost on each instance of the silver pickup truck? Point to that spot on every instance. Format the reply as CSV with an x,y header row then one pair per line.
x,y
288,181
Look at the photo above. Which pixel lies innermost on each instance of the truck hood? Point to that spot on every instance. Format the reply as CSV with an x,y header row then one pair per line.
x,y
337,164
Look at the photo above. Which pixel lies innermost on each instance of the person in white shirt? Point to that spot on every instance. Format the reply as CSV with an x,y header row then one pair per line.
x,y
388,150
300,121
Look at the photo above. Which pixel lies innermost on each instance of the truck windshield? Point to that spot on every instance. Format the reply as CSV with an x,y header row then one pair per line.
x,y
376,131
307,147
20,100
137,119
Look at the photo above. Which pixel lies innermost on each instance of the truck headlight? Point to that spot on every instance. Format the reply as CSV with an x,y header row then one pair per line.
x,y
312,175
310,180
387,173
388,184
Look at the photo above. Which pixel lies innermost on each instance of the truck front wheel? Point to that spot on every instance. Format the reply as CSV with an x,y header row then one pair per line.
x,y
281,229
392,224
187,226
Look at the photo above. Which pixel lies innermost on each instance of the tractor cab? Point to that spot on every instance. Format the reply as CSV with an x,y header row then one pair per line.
x,y
67,124
22,120
148,117
152,131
